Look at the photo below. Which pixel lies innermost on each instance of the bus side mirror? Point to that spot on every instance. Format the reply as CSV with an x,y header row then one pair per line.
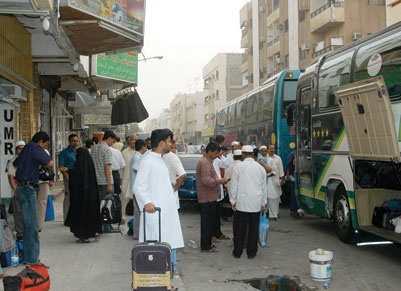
x,y
290,114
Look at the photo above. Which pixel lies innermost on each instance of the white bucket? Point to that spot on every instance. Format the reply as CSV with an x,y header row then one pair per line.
x,y
320,264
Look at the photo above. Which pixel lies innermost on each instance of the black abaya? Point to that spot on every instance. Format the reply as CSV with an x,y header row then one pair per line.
x,y
84,213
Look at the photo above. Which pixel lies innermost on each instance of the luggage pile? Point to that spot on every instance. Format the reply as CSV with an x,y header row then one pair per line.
x,y
388,215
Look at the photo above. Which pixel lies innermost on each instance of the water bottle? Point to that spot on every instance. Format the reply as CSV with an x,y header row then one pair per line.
x,y
192,244
326,285
14,256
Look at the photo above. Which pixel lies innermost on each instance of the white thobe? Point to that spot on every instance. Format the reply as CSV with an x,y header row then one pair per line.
x,y
127,154
152,185
217,164
248,186
274,187
175,169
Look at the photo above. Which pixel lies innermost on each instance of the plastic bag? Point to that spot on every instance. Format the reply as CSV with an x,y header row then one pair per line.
x,y
49,216
263,229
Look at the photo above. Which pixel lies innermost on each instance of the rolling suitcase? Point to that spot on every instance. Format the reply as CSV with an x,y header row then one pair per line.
x,y
151,263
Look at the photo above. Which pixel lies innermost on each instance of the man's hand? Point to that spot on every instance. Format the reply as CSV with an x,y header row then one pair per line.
x,y
222,181
110,188
263,208
233,207
150,207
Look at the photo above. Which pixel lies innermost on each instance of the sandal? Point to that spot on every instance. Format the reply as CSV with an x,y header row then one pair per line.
x,y
83,241
212,250
215,239
223,236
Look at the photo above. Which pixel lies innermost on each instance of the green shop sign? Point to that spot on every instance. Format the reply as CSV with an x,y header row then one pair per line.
x,y
122,66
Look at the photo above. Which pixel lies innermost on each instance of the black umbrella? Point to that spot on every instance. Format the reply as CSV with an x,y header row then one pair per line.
x,y
128,108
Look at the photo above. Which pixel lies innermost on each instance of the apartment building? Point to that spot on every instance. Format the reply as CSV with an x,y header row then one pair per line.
x,y
187,117
278,35
222,83
393,11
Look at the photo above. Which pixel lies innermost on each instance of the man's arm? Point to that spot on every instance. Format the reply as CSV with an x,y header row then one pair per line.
x,y
179,182
107,172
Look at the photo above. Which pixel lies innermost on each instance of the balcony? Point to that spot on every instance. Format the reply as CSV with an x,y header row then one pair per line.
x,y
327,16
326,46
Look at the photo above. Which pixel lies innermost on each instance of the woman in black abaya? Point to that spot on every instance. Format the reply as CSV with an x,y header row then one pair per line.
x,y
84,213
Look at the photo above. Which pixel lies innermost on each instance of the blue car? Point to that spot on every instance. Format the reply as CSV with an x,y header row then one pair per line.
x,y
187,192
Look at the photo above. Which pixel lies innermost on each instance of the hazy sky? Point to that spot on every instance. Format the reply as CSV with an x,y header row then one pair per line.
x,y
188,34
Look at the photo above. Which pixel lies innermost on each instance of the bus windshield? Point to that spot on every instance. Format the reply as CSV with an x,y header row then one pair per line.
x,y
289,93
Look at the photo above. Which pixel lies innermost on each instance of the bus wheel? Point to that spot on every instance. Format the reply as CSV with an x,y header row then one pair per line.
x,y
342,217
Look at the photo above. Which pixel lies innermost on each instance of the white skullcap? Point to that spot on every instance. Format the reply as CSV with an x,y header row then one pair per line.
x,y
237,153
247,149
234,143
20,143
263,147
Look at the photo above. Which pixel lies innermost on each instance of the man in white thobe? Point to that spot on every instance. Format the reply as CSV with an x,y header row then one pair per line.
x,y
127,154
175,169
275,181
153,188
248,196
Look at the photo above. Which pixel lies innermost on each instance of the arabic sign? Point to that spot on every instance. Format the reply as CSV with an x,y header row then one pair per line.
x,y
122,66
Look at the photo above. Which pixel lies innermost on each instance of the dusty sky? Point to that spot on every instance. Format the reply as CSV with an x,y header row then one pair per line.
x,y
188,34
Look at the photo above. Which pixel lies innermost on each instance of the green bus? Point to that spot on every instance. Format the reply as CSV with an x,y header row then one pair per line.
x,y
348,116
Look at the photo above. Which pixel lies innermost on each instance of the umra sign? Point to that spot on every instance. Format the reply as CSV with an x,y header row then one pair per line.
x,y
7,148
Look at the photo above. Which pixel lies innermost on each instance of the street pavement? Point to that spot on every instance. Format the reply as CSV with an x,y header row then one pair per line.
x,y
103,264
106,263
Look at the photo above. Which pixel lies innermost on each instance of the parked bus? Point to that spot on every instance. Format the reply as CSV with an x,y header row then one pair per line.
x,y
258,117
348,166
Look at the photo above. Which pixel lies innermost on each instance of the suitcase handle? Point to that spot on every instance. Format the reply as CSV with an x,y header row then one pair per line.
x,y
157,209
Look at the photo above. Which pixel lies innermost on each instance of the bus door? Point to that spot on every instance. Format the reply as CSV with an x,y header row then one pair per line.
x,y
304,151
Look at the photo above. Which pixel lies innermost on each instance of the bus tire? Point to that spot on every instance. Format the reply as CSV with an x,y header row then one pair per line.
x,y
342,216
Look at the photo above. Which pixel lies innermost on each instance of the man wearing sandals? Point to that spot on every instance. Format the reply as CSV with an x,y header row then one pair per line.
x,y
208,190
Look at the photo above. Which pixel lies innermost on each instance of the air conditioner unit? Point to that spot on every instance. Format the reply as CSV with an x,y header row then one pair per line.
x,y
262,9
262,38
78,121
305,47
43,4
246,51
13,91
279,26
278,60
305,6
356,35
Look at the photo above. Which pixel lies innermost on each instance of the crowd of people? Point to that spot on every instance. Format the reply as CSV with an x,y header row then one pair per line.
x,y
148,174
251,179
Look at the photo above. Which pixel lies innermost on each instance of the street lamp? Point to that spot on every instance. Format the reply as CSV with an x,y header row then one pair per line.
x,y
155,57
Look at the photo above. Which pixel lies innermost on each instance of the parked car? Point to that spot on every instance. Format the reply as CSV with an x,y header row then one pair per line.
x,y
187,192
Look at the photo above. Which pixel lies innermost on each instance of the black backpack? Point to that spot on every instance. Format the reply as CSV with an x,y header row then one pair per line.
x,y
110,209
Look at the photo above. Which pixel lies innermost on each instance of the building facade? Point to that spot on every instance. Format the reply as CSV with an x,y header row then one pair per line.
x,y
222,81
278,35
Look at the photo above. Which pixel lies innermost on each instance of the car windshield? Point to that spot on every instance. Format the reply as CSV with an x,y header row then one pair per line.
x,y
189,163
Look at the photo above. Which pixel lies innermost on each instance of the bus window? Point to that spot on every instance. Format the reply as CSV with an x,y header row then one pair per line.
x,y
267,104
333,73
252,108
381,58
221,118
289,94
231,116
240,112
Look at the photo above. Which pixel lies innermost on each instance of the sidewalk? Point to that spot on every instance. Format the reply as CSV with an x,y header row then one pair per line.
x,y
104,264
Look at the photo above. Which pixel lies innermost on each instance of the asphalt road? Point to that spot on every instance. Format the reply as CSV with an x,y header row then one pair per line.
x,y
106,264
374,267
